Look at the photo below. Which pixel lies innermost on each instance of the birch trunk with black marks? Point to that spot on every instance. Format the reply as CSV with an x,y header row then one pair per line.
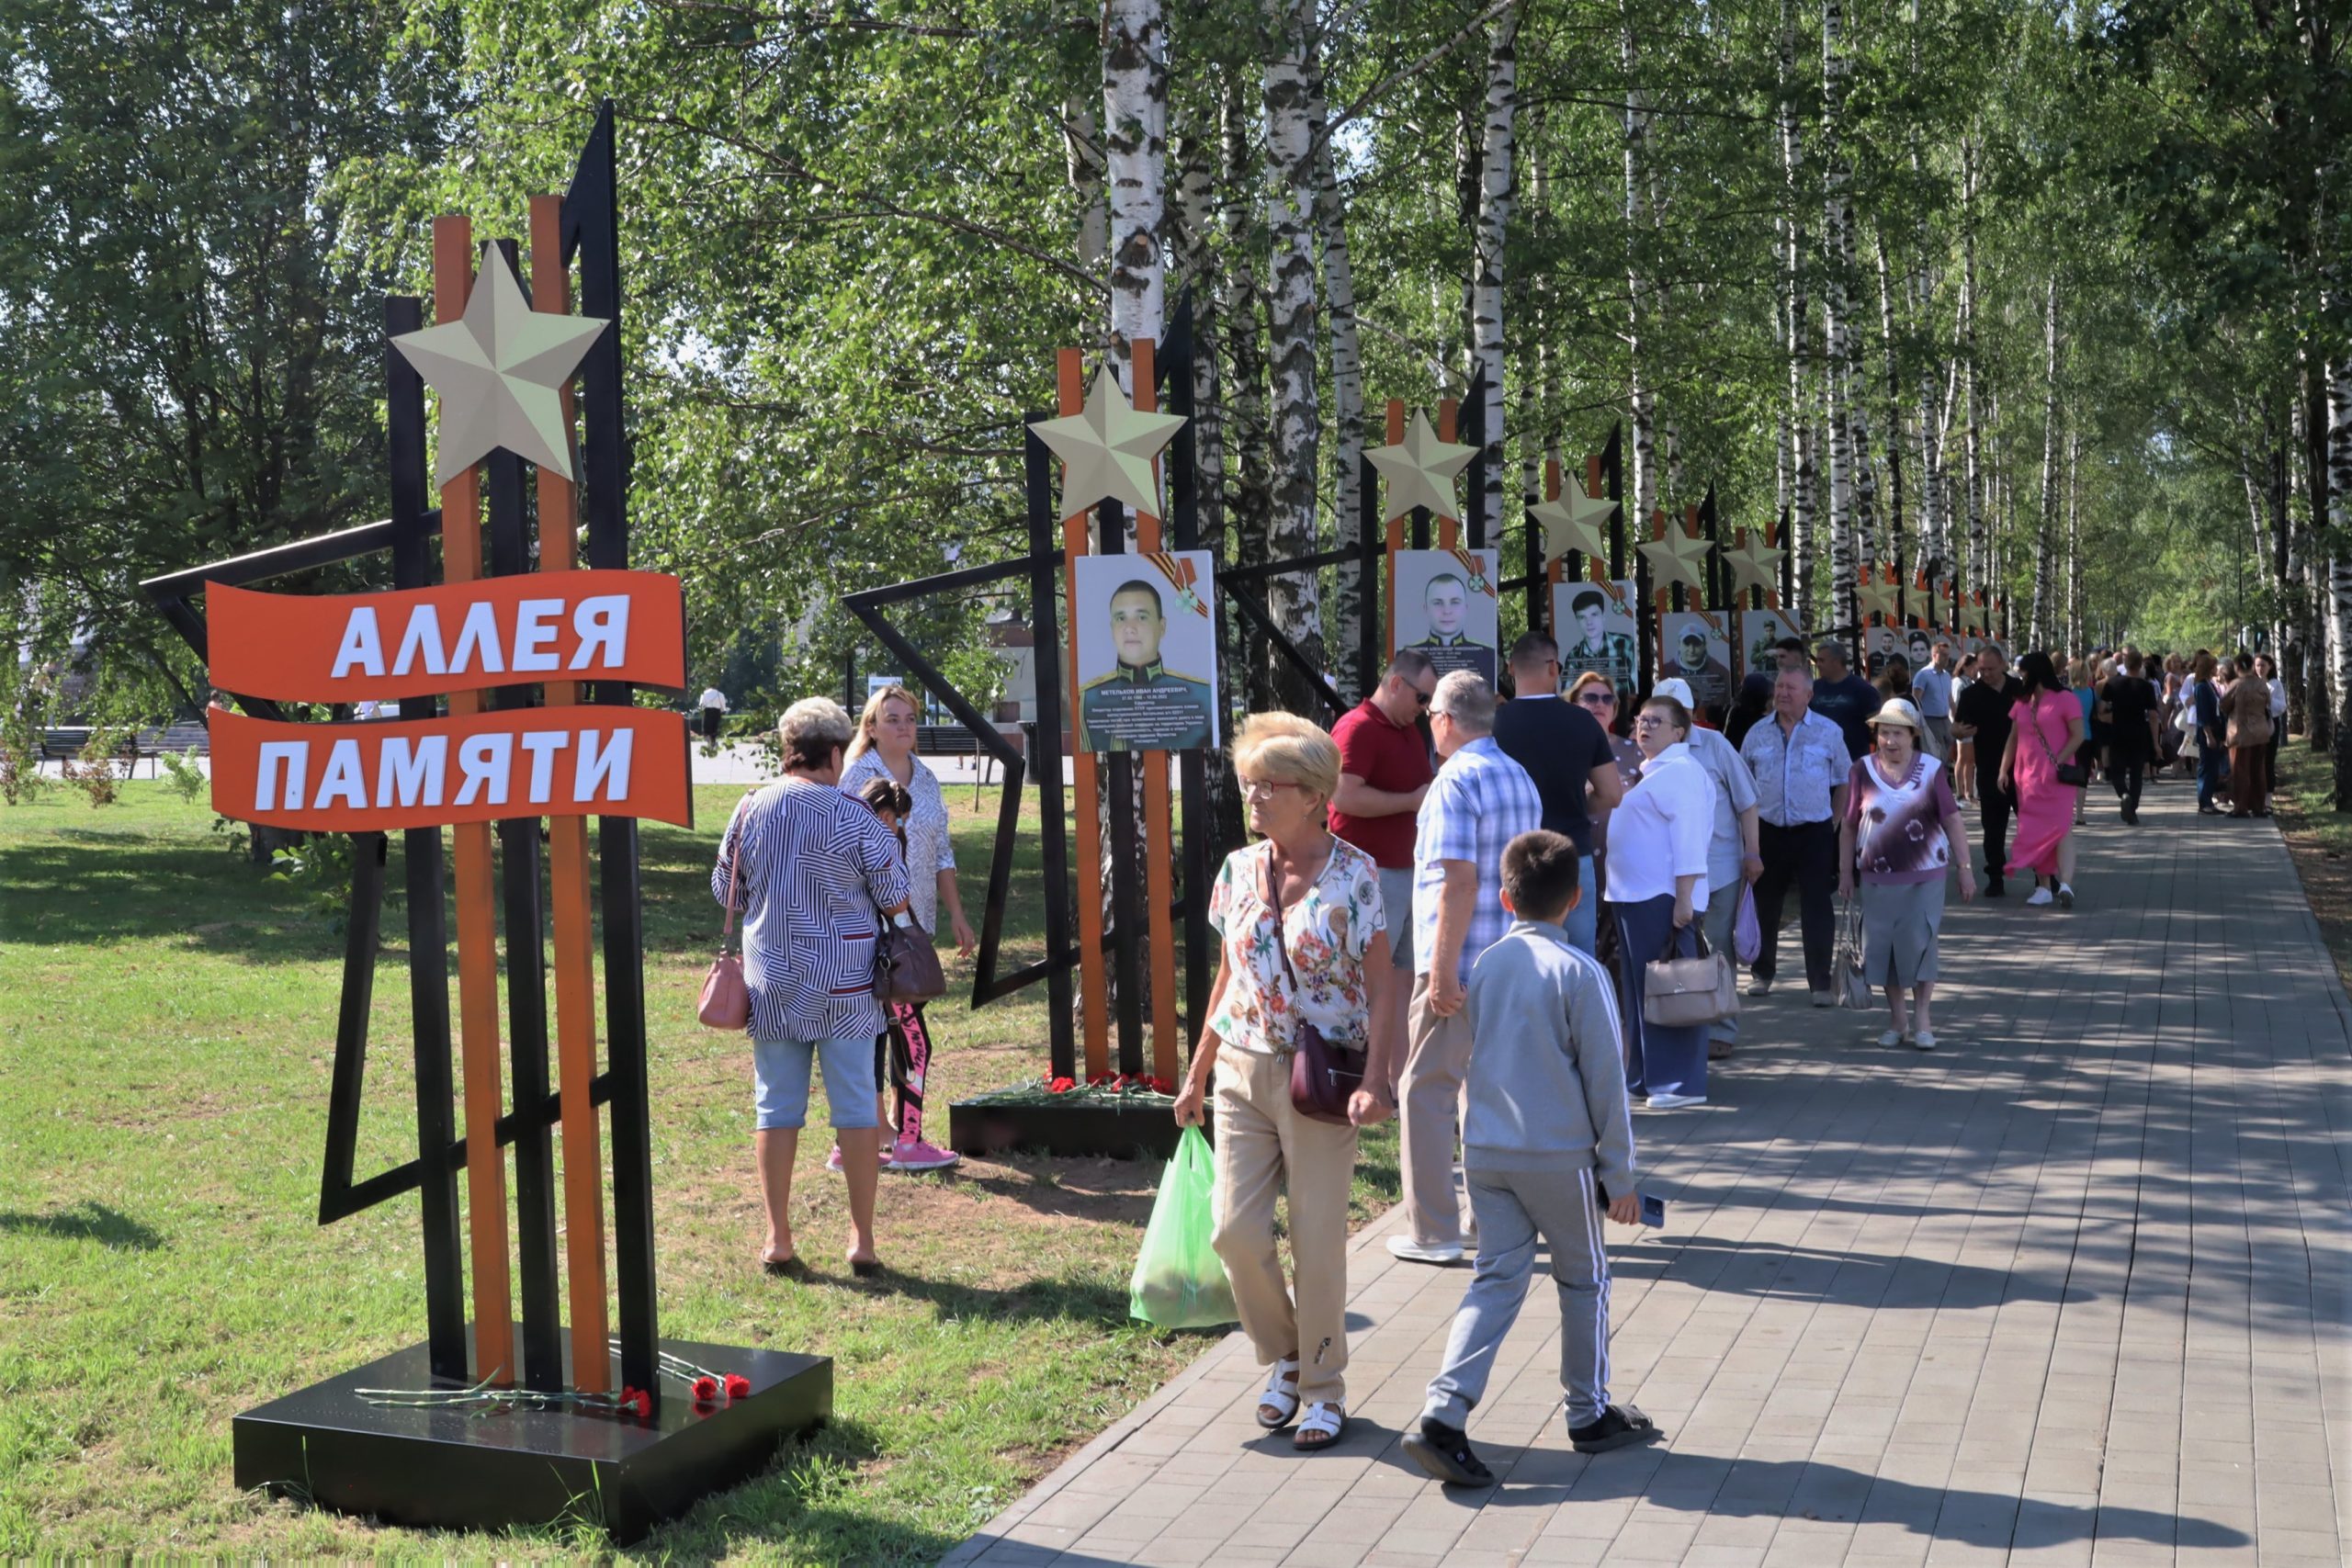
x,y
1896,436
2077,638
1249,493
1641,495
1836,327
1801,502
1496,149
2339,518
2045,601
1195,254
1292,599
1347,395
1135,140
1083,155
1971,433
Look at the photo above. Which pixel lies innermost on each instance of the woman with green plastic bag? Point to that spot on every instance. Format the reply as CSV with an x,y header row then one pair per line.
x,y
1304,943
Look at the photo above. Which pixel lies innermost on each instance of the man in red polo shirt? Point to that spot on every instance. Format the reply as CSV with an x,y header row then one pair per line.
x,y
1384,772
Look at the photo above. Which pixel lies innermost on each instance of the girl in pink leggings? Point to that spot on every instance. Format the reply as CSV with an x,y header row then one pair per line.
x,y
902,1053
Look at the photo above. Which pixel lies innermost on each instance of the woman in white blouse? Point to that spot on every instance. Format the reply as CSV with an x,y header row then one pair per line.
x,y
883,748
1658,889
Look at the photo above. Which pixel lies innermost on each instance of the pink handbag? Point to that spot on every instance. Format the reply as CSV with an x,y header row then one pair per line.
x,y
725,1002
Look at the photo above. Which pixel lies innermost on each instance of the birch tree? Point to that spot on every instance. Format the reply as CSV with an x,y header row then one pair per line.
x,y
1346,390
1135,117
1296,432
1496,192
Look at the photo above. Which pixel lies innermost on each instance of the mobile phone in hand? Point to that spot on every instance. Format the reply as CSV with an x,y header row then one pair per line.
x,y
1652,1211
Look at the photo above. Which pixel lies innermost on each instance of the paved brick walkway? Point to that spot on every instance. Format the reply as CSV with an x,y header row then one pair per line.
x,y
2075,1289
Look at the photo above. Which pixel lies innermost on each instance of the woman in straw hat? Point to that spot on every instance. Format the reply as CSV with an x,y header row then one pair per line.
x,y
1902,834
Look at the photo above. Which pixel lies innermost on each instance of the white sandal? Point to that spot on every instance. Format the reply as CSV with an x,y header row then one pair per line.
x,y
1325,1419
1282,1394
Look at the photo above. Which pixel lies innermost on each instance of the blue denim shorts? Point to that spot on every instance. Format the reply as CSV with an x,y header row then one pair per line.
x,y
780,1070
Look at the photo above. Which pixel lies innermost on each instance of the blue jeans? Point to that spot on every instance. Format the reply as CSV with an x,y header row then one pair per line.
x,y
2212,770
1659,1059
1583,922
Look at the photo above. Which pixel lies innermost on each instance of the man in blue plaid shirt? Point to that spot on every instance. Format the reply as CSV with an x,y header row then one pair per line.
x,y
1479,801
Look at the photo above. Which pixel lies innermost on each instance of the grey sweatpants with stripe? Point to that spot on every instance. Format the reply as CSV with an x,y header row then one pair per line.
x,y
1513,1209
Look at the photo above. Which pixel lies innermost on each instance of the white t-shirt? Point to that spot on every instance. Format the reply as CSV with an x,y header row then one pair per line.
x,y
712,697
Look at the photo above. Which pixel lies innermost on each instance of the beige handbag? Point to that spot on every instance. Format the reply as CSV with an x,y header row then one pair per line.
x,y
1679,992
725,1001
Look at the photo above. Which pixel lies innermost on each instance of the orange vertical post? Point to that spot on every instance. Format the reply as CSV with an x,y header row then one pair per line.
x,y
1094,992
575,962
478,1034
1159,850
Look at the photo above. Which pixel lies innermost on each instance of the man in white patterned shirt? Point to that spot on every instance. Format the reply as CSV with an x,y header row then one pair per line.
x,y
1479,803
810,868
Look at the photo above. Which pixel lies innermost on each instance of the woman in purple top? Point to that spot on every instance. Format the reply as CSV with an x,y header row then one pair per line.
x,y
1903,833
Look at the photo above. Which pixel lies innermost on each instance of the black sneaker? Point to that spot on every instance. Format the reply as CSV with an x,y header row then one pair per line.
x,y
1620,1427
1993,888
1444,1451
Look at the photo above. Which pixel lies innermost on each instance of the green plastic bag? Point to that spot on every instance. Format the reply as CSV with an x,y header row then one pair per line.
x,y
1179,1280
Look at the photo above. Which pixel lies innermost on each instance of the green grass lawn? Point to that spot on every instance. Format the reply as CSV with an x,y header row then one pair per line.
x,y
166,1028
2320,839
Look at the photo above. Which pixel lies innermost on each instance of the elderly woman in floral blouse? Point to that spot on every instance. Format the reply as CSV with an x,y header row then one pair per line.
x,y
1304,939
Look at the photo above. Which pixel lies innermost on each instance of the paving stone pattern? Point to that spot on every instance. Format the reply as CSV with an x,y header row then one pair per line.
x,y
2071,1290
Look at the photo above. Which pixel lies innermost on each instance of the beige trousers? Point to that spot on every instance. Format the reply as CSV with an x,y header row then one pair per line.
x,y
1428,1104
1263,1146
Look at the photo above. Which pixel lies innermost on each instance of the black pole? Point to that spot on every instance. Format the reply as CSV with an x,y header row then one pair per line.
x,y
1127,862
428,963
1045,650
1175,366
1370,539
526,1005
592,229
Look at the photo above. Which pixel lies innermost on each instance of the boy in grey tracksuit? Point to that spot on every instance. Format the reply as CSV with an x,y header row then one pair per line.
x,y
1547,1147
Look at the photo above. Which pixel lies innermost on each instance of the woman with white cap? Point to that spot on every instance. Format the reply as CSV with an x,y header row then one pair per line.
x,y
1903,833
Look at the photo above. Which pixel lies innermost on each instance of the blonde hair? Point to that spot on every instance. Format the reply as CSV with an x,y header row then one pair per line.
x,y
1285,749
862,741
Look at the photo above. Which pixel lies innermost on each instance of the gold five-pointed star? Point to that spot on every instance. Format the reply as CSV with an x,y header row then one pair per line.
x,y
1420,470
1874,596
1755,564
1677,558
500,371
1572,521
1106,451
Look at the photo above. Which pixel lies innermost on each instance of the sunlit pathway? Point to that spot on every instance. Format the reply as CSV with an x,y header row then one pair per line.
x,y
2075,1289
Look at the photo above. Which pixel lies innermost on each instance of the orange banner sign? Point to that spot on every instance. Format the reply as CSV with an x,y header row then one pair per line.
x,y
377,777
572,625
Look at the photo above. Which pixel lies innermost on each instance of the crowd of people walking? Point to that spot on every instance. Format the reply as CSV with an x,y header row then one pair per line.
x,y
1515,916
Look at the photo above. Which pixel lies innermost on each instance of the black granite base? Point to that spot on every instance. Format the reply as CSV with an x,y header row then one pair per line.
x,y
444,1469
1080,1127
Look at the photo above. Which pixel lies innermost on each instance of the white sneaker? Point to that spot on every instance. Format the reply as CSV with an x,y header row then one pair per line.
x,y
1925,1039
1412,1251
1892,1037
1675,1102
2039,896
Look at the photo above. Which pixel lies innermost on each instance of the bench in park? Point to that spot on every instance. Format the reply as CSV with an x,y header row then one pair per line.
x,y
63,743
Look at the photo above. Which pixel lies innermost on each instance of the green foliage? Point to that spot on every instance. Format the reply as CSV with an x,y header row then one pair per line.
x,y
187,778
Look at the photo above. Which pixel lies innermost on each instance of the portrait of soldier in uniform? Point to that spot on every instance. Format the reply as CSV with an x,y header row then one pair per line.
x,y
1141,704
1445,607
1596,646
1709,677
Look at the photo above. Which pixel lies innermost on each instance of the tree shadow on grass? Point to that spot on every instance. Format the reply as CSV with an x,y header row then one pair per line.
x,y
86,1220
128,890
808,1504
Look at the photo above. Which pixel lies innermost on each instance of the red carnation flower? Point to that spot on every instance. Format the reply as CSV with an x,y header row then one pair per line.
x,y
738,1386
1060,1086
1102,1080
706,1390
644,1403
1163,1085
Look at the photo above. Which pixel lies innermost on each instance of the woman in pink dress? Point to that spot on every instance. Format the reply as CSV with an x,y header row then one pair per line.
x,y
2046,729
